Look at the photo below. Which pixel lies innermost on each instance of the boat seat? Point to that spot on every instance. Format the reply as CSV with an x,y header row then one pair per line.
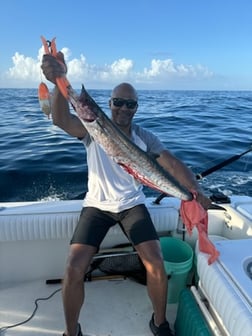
x,y
39,233
243,205
57,220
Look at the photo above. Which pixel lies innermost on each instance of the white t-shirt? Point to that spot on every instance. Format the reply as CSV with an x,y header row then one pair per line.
x,y
110,187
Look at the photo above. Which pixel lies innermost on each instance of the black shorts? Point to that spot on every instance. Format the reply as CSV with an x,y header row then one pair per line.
x,y
94,223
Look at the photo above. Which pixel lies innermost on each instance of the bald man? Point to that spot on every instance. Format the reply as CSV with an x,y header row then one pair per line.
x,y
114,196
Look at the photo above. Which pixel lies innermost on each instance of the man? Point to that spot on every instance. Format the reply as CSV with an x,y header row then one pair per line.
x,y
113,197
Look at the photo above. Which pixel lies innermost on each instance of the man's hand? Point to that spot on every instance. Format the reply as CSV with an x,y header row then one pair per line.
x,y
54,67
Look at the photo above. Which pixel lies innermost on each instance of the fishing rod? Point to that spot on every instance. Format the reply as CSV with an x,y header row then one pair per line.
x,y
209,171
222,164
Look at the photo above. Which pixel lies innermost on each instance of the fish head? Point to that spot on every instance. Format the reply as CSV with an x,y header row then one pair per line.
x,y
85,106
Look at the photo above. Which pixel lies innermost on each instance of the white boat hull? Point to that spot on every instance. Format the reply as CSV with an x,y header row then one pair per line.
x,y
34,242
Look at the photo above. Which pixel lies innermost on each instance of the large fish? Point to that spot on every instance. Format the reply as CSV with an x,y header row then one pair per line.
x,y
139,164
114,142
118,146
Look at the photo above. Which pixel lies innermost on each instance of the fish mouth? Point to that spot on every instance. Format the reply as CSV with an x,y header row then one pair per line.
x,y
84,112
88,120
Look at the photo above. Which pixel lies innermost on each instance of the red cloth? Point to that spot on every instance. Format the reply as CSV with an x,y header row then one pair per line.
x,y
193,214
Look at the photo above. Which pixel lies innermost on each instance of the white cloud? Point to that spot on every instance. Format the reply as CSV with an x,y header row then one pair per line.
x,y
167,68
24,68
159,67
117,71
121,67
26,72
78,68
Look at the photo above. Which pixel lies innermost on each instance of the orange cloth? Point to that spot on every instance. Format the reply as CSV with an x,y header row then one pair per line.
x,y
193,214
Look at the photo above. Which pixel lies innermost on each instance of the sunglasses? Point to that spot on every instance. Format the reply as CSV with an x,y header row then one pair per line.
x,y
119,102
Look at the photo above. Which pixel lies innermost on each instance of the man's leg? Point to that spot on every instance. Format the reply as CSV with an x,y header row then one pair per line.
x,y
139,227
89,233
151,256
73,292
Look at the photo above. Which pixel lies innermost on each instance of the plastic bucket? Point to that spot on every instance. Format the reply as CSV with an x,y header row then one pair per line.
x,y
178,261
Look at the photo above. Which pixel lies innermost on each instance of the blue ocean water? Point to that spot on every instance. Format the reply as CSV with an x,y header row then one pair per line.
x,y
38,161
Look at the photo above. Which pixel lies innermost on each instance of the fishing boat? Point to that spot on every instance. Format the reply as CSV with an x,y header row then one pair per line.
x,y
216,299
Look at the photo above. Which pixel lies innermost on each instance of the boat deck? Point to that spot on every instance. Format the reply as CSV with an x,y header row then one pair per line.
x,y
115,307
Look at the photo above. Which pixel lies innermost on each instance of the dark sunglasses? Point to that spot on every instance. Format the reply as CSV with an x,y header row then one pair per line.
x,y
119,102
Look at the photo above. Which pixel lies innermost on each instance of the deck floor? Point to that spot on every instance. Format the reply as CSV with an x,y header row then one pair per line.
x,y
118,307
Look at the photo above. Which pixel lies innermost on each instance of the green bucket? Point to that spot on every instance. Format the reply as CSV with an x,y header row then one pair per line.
x,y
178,261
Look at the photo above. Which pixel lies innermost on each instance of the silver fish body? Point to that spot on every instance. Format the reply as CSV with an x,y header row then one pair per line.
x,y
123,151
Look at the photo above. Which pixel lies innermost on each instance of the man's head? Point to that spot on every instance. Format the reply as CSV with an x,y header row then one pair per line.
x,y
123,105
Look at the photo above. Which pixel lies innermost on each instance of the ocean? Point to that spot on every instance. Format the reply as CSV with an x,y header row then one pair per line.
x,y
38,161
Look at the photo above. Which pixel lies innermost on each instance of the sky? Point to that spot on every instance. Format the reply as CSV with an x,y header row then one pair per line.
x,y
160,44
